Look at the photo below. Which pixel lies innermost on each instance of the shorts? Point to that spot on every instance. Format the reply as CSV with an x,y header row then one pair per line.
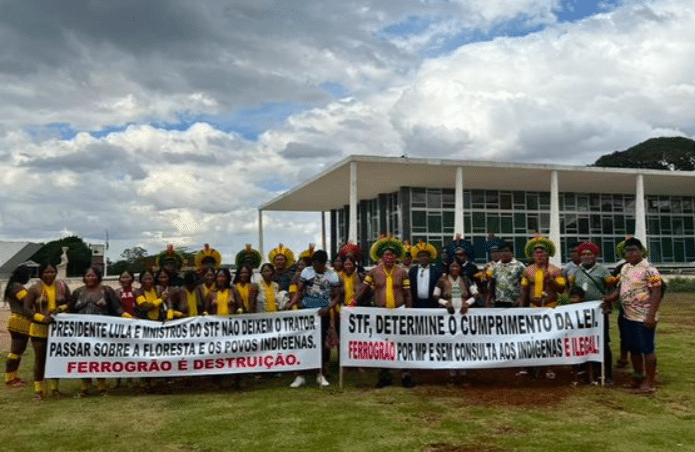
x,y
639,338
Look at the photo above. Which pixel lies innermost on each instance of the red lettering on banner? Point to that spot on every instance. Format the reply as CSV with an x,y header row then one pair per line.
x,y
370,350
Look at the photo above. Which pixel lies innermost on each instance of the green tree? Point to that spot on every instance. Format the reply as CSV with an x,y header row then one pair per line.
x,y
79,254
664,153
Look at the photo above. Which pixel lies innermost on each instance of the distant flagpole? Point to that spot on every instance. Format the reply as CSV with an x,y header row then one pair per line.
x,y
106,262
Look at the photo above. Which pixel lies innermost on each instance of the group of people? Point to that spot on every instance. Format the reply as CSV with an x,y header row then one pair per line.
x,y
453,283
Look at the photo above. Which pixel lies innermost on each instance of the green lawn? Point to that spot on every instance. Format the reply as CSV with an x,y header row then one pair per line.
x,y
498,412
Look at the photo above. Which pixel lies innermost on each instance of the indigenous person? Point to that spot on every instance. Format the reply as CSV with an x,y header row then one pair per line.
x,y
640,294
319,287
45,298
505,279
221,301
94,298
337,263
452,293
492,246
269,299
542,281
305,258
407,261
389,286
350,278
125,293
209,284
574,262
463,250
207,258
424,276
168,294
191,300
148,303
452,290
596,282
171,262
18,325
282,259
245,291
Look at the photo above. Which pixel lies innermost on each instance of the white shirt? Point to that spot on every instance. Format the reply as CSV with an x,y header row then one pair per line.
x,y
423,282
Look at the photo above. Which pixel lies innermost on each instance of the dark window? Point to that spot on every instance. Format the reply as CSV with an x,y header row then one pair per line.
x,y
653,226
689,248
687,205
448,199
630,204
419,220
478,199
532,223
676,204
665,224
607,225
532,201
492,200
583,225
677,223
448,218
434,223
506,201
570,201
434,200
619,224
418,197
519,200
606,203
571,223
595,203
479,222
545,222
506,226
544,200
520,222
688,225
582,203
618,203
679,251
493,223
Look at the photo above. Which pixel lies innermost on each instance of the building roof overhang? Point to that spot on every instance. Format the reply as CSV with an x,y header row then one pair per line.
x,y
330,189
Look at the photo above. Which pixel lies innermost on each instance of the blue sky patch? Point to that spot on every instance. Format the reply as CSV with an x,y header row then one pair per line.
x,y
61,130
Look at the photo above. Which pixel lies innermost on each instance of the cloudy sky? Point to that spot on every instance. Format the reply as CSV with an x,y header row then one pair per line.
x,y
171,121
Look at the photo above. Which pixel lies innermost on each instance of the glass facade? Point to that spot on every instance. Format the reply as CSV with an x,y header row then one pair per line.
x,y
416,213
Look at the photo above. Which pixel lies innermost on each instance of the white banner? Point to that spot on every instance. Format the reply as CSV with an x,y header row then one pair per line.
x,y
482,338
83,346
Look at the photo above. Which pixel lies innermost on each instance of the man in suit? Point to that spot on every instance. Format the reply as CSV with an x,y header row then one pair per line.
x,y
424,276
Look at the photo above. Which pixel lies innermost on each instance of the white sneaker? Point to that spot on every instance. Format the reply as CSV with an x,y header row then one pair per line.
x,y
321,380
299,381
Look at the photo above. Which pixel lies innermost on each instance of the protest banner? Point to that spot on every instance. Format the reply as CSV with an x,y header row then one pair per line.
x,y
89,346
481,338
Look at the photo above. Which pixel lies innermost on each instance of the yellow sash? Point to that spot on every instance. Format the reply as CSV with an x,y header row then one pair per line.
x,y
50,295
151,297
390,295
192,301
538,285
223,302
271,304
244,294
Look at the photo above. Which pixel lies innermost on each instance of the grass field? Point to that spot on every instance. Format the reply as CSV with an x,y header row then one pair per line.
x,y
499,412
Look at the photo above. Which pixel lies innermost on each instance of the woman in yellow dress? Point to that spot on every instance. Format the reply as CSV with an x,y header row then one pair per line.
x,y
45,298
268,291
245,291
221,301
148,303
18,325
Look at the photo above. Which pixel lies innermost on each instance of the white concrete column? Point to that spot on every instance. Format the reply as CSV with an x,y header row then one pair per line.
x,y
640,212
458,204
260,232
352,228
323,232
554,235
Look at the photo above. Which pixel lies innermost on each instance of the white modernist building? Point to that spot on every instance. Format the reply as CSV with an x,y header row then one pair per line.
x,y
433,200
